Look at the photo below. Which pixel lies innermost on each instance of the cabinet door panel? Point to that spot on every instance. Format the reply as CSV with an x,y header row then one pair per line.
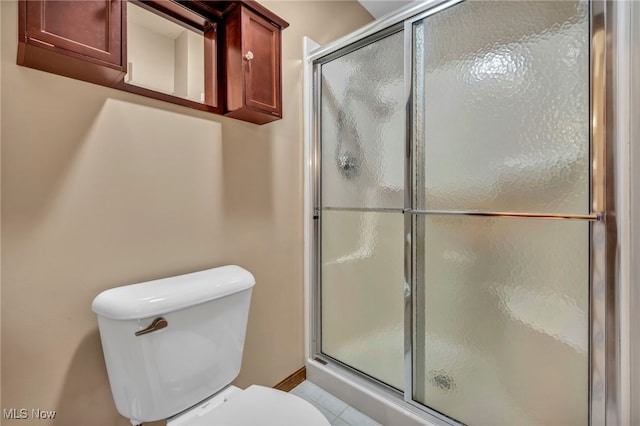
x,y
262,68
91,28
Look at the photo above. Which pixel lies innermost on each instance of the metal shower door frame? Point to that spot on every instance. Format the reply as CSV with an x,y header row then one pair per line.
x,y
603,333
604,278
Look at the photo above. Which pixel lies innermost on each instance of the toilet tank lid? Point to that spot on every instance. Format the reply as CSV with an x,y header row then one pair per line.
x,y
157,297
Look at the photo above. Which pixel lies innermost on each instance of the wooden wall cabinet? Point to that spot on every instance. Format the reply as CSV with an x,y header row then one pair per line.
x,y
81,40
253,71
87,40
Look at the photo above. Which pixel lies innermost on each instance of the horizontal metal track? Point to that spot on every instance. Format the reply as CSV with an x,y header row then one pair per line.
x,y
593,217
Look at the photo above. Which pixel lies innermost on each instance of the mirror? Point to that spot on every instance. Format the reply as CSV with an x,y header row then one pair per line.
x,y
164,55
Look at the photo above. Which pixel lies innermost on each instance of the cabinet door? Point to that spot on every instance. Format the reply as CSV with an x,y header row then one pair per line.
x,y
91,28
252,65
261,52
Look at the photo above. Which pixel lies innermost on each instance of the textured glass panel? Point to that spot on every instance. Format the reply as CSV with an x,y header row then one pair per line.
x,y
503,337
504,101
363,127
362,292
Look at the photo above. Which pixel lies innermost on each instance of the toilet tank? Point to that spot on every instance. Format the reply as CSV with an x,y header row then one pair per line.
x,y
157,374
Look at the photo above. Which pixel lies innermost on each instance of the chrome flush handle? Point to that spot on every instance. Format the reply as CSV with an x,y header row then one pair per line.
x,y
157,324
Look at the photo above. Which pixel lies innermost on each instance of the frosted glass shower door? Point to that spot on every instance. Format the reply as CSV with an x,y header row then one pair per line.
x,y
362,110
501,104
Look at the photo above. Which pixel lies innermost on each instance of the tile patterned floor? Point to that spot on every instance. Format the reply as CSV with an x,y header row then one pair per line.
x,y
335,410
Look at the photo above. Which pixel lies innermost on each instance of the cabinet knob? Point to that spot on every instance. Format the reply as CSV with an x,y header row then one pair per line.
x,y
248,56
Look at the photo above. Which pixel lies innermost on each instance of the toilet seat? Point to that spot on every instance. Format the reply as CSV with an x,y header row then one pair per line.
x,y
256,405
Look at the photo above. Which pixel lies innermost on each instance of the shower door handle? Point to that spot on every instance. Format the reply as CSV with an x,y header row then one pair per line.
x,y
407,267
593,217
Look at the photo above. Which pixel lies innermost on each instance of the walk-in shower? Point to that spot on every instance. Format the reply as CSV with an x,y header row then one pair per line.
x,y
460,225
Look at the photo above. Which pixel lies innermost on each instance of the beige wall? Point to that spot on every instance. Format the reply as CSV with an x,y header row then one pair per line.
x,y
103,188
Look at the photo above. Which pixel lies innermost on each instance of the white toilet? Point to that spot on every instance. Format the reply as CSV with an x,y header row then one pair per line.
x,y
173,345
